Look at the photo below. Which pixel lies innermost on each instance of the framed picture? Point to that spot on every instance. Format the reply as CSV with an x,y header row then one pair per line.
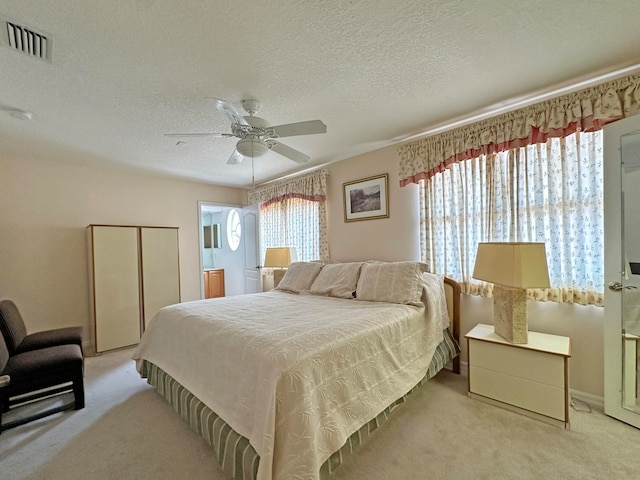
x,y
366,199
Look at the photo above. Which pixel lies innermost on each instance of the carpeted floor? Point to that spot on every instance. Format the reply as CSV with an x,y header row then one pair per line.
x,y
127,431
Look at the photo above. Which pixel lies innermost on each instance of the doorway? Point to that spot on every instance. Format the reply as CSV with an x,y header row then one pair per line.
x,y
229,241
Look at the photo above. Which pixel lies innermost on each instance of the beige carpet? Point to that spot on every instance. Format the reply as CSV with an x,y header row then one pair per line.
x,y
127,431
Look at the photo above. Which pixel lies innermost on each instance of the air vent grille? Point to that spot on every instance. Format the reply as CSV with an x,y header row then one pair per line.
x,y
26,40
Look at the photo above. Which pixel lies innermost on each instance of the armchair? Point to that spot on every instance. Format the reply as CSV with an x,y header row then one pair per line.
x,y
38,365
38,374
14,330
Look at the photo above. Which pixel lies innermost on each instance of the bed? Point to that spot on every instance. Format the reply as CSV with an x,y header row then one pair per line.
x,y
285,384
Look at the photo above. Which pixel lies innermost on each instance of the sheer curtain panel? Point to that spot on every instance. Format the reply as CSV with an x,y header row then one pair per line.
x,y
293,213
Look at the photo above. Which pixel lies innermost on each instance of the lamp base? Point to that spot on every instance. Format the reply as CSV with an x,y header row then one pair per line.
x,y
510,313
277,276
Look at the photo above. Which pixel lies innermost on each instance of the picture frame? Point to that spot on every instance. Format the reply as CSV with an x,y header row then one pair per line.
x,y
366,199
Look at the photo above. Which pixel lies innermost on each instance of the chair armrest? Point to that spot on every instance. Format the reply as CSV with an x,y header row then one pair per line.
x,y
4,380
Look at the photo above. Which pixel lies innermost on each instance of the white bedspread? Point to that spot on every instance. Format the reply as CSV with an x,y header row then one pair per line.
x,y
295,374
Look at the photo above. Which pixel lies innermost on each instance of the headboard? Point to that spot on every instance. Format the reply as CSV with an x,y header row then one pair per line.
x,y
453,291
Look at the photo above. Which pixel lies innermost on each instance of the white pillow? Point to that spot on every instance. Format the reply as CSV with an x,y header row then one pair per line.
x,y
299,276
437,298
337,280
393,282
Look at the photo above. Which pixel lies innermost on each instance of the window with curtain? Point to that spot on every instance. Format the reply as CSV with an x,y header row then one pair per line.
x,y
293,222
293,213
551,193
534,174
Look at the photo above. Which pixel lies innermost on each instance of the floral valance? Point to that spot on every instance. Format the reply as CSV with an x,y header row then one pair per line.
x,y
587,110
310,186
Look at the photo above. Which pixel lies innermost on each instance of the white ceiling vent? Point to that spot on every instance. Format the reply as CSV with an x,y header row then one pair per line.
x,y
25,39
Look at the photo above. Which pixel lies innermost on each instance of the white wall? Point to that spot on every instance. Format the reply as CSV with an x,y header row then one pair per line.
x,y
45,209
388,239
397,238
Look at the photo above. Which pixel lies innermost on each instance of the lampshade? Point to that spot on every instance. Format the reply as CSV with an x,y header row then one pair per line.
x,y
512,267
512,264
280,257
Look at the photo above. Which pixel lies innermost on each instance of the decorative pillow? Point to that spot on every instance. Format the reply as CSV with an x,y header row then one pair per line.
x,y
434,289
337,280
299,276
393,282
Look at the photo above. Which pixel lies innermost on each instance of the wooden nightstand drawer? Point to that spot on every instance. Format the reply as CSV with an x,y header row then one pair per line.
x,y
532,379
533,396
526,364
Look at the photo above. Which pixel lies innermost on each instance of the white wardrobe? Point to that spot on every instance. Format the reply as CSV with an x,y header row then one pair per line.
x,y
133,272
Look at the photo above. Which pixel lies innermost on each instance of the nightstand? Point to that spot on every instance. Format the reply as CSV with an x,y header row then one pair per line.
x,y
531,378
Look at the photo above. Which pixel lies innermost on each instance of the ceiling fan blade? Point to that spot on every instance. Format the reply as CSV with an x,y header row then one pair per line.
x,y
231,113
235,158
300,128
290,153
199,135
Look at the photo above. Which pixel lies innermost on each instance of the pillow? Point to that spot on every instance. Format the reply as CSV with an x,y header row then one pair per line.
x,y
393,282
337,280
434,290
299,276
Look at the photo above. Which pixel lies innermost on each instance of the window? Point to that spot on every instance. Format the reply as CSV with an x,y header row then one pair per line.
x,y
550,192
234,229
294,222
293,213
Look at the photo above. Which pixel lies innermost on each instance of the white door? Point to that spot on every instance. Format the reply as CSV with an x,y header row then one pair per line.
x,y
622,285
252,274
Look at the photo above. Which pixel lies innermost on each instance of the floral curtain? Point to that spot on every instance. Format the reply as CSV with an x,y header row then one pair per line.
x,y
293,213
584,111
292,223
310,186
550,192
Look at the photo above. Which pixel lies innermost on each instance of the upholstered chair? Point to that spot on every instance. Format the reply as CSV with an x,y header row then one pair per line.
x,y
37,374
14,331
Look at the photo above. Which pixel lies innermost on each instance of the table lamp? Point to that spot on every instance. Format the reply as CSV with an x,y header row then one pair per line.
x,y
279,258
512,267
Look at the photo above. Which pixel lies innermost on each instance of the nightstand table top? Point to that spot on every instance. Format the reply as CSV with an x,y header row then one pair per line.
x,y
542,342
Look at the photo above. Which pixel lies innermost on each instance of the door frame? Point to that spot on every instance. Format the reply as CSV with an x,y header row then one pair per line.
x,y
613,203
204,204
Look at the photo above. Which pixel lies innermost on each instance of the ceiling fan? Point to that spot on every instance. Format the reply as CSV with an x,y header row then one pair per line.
x,y
255,134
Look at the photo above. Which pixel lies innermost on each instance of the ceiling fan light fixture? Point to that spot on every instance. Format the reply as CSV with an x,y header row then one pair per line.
x,y
251,148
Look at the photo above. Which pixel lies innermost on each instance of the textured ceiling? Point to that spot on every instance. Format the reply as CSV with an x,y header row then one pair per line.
x,y
124,72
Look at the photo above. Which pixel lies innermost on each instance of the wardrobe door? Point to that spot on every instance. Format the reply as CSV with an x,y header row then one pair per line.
x,y
160,269
116,296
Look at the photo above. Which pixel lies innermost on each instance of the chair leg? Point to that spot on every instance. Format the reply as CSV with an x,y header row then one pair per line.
x,y
78,391
4,402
